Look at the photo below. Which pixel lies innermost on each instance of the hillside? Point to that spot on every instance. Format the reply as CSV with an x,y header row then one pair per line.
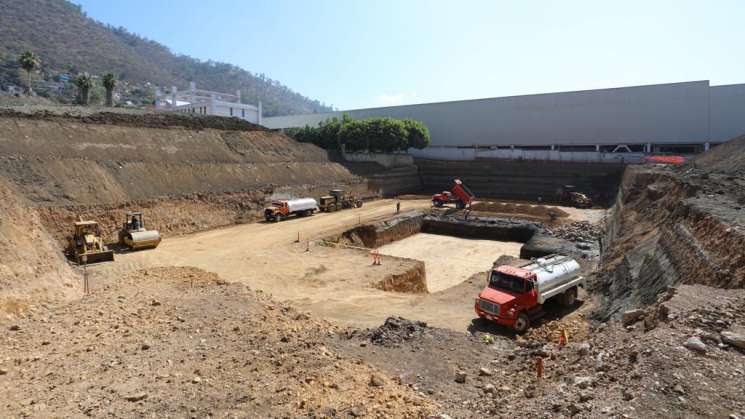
x,y
189,173
69,42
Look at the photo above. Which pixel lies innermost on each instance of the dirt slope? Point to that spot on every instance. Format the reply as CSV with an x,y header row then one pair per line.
x,y
726,158
202,172
179,342
670,227
31,267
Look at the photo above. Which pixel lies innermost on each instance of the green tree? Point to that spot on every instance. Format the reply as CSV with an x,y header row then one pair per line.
x,y
385,135
29,61
84,81
109,83
96,95
417,133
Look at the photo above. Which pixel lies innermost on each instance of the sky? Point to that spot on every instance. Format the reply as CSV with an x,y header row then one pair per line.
x,y
367,53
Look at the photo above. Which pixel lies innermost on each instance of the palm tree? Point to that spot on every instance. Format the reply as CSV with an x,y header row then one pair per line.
x,y
109,82
29,61
84,83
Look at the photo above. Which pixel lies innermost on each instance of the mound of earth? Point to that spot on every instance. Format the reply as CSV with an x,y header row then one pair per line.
x,y
179,342
725,158
396,330
522,209
31,266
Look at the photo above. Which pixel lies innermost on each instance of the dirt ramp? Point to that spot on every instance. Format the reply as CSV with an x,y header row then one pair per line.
x,y
31,266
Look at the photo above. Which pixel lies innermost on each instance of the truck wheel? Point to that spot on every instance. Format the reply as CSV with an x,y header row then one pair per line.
x,y
437,204
569,297
359,204
332,207
277,217
522,323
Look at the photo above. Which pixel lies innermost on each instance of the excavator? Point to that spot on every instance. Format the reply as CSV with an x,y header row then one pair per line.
x,y
134,234
460,195
569,195
86,244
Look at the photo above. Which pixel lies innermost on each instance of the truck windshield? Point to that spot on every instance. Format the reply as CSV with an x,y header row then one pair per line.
x,y
506,282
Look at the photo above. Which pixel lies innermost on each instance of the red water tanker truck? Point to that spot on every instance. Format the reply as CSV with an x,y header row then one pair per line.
x,y
514,296
460,195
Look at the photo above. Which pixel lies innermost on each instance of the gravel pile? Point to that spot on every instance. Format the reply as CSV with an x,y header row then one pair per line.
x,y
397,330
578,231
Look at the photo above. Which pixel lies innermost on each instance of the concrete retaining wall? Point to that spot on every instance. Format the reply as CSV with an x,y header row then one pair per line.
x,y
523,180
467,154
387,160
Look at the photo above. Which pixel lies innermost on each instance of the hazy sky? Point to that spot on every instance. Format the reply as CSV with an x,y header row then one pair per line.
x,y
355,53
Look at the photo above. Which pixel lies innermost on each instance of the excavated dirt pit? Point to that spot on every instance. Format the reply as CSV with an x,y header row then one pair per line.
x,y
448,261
452,247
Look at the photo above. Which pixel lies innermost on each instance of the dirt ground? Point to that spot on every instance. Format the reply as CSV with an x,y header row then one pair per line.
x,y
182,343
450,260
638,371
333,284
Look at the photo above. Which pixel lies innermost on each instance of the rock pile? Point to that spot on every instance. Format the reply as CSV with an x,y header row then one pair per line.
x,y
578,231
396,330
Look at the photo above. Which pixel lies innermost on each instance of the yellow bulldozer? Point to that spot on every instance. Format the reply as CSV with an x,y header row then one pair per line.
x,y
134,234
86,245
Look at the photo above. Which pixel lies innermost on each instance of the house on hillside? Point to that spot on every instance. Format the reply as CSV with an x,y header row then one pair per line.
x,y
205,102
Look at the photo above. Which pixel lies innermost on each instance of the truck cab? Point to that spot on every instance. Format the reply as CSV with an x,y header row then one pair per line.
x,y
513,296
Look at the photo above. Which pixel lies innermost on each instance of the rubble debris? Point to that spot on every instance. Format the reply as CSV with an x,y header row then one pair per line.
x,y
695,344
632,316
396,330
733,339
577,231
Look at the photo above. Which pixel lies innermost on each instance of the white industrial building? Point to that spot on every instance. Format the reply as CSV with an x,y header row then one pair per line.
x,y
683,117
205,102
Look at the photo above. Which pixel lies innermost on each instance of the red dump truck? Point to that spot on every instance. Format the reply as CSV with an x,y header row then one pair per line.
x,y
460,195
514,296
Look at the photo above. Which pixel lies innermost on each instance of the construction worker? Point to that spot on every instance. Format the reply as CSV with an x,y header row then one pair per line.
x,y
398,206
135,223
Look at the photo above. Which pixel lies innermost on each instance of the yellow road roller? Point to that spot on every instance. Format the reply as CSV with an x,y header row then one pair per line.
x,y
135,235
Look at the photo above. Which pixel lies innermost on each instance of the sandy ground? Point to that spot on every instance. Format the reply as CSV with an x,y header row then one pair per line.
x,y
333,284
449,261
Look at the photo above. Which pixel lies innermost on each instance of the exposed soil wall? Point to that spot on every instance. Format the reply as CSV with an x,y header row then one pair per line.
x,y
189,174
523,180
30,264
665,229
482,228
412,281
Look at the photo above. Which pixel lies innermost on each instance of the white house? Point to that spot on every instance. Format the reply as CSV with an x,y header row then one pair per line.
x,y
205,102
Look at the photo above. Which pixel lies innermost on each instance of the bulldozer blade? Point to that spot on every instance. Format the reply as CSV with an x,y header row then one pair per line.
x,y
107,256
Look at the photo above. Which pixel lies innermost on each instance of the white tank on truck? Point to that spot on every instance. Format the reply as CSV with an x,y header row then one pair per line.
x,y
302,204
551,273
280,209
514,295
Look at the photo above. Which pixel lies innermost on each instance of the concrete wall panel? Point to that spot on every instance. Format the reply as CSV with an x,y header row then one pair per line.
x,y
666,113
727,112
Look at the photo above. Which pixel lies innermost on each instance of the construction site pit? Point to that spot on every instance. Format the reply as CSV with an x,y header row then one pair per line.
x,y
452,247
